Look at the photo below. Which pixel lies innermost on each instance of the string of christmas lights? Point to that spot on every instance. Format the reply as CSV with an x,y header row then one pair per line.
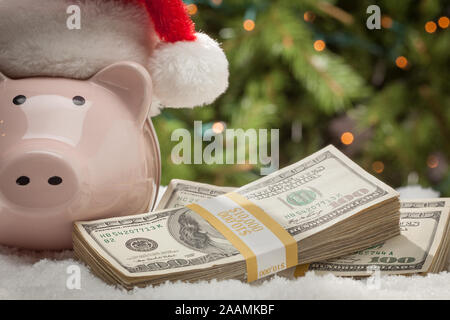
x,y
395,52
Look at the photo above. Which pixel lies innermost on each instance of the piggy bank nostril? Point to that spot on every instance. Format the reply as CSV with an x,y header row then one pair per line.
x,y
23,181
54,181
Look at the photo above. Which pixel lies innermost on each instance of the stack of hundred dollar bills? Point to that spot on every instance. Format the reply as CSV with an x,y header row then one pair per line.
x,y
326,202
423,245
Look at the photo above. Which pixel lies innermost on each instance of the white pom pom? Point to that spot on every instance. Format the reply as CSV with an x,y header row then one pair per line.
x,y
189,73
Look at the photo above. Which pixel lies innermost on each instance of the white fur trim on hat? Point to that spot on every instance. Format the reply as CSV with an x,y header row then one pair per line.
x,y
189,73
35,39
36,42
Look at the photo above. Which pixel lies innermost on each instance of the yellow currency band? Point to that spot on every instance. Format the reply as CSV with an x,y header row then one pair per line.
x,y
301,270
288,241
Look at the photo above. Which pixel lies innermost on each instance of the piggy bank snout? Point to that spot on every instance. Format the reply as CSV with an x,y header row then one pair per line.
x,y
38,179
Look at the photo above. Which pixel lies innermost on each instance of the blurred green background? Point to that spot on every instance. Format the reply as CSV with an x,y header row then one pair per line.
x,y
315,71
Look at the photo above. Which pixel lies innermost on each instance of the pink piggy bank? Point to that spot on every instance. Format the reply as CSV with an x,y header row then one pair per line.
x,y
74,150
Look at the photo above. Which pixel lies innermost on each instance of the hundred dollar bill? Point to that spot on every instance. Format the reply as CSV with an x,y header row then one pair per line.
x,y
326,202
425,203
422,246
182,192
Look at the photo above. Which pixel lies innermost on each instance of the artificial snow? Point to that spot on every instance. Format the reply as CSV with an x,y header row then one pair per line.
x,y
44,275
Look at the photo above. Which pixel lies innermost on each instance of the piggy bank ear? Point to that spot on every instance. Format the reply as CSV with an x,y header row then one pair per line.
x,y
132,83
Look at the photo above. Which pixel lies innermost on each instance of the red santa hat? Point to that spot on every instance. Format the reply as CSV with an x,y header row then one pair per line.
x,y
188,69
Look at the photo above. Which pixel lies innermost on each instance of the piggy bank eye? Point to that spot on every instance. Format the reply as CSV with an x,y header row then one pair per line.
x,y
19,100
79,101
